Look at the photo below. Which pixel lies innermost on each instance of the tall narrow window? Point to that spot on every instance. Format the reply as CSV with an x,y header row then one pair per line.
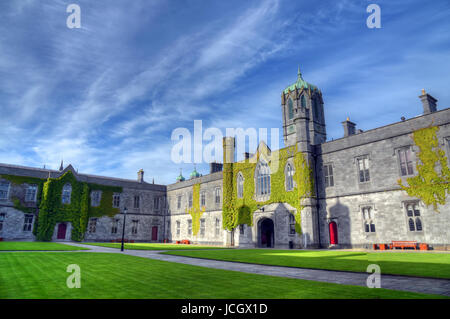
x,y
179,202
189,227
289,177
202,227
116,200
190,200
291,224
242,229
136,201
217,195
95,198
203,199
28,222
217,227
303,101
30,194
328,172
290,109
66,194
4,190
240,186
363,169
115,226
156,203
262,179
414,218
178,228
2,220
92,225
134,227
406,164
369,224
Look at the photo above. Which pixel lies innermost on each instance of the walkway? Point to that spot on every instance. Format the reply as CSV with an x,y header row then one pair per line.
x,y
412,284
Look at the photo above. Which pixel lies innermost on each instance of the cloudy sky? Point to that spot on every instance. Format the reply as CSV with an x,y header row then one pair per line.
x,y
107,97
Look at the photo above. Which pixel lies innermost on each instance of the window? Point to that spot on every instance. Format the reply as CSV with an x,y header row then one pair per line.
x,y
92,225
115,225
95,198
406,164
156,203
30,195
240,186
4,190
66,194
363,168
190,200
217,227
178,227
303,101
414,219
290,109
291,224
179,202
262,179
136,201
369,225
202,227
217,195
241,229
203,199
2,220
134,227
289,177
116,200
190,227
28,222
328,172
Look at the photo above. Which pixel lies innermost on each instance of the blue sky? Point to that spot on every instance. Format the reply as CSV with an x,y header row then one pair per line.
x,y
106,97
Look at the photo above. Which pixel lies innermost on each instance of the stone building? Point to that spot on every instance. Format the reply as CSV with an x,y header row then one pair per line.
x,y
356,200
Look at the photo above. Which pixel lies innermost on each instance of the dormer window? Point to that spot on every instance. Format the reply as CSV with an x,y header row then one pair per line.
x,y
66,194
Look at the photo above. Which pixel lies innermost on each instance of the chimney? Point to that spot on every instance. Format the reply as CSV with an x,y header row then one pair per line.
x,y
247,155
349,127
429,102
215,167
140,176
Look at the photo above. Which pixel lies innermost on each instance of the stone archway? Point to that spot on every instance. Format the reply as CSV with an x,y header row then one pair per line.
x,y
266,232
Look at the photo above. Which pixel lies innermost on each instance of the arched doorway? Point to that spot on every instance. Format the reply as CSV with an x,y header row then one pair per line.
x,y
332,227
266,233
62,228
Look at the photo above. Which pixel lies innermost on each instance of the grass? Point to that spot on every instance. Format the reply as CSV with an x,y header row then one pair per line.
x,y
154,246
30,275
411,264
34,245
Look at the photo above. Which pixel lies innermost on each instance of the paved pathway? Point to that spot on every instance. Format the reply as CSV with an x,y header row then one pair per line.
x,y
413,284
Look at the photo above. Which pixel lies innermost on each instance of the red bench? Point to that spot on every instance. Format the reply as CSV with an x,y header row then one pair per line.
x,y
404,244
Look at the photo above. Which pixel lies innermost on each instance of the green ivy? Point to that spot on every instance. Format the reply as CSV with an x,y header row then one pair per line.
x,y
431,184
53,211
237,211
196,212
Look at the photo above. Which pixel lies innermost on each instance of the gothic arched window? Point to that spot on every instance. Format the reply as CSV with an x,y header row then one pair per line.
x,y
289,177
66,194
290,109
262,179
303,101
240,186
414,219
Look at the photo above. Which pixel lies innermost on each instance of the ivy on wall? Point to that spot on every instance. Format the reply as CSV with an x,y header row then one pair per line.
x,y
431,183
237,211
196,211
53,211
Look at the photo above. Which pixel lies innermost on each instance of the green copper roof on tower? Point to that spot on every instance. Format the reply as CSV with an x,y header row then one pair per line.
x,y
194,173
300,84
180,177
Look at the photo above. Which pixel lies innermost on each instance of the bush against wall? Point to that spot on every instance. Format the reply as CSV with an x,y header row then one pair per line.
x,y
196,211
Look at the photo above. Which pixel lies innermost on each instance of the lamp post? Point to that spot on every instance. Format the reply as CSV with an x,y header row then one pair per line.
x,y
123,228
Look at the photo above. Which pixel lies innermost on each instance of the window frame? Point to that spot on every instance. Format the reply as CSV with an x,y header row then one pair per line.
x,y
416,217
134,226
27,223
116,200
115,226
2,221
217,227
66,199
92,226
291,220
369,225
202,198
33,187
8,189
179,199
137,202
263,179
202,227
408,164
217,197
189,227
95,202
240,185
289,177
328,175
366,170
178,227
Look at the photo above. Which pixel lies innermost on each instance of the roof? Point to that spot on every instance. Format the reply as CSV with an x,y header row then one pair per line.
x,y
300,84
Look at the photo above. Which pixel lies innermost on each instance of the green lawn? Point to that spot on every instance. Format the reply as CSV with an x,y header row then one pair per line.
x,y
43,275
35,245
154,246
411,264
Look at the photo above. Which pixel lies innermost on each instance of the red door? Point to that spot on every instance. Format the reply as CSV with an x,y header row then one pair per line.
x,y
62,231
154,233
333,233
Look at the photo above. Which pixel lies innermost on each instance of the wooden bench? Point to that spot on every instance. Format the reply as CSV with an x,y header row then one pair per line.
x,y
404,244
